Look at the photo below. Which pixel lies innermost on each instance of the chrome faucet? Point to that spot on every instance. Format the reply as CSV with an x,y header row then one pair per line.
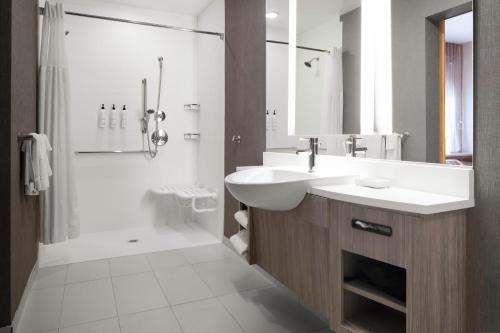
x,y
352,146
313,151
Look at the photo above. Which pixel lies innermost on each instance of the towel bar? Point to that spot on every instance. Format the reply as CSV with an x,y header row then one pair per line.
x,y
25,137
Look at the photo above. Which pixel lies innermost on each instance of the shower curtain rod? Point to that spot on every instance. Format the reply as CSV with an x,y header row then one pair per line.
x,y
149,24
299,47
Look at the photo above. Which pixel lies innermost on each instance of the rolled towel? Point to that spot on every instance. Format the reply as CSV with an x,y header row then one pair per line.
x,y
240,242
393,147
41,166
242,218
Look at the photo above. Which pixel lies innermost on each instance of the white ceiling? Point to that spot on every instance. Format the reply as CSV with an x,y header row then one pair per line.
x,y
311,13
187,7
460,29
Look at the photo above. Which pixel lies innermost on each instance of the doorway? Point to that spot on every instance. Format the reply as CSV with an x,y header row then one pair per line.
x,y
456,51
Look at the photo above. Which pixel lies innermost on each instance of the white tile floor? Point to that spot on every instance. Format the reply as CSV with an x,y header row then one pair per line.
x,y
206,289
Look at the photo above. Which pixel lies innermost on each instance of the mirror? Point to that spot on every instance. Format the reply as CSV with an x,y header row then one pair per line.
x,y
395,73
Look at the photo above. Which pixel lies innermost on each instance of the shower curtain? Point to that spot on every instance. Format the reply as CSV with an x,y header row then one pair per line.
x,y
453,99
59,203
332,110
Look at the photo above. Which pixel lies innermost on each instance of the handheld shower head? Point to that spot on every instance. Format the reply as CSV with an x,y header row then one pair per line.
x,y
309,63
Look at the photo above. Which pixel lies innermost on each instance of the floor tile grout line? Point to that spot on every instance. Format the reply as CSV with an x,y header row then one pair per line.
x,y
161,289
168,302
114,296
231,315
235,291
88,322
62,299
144,311
62,309
85,281
198,274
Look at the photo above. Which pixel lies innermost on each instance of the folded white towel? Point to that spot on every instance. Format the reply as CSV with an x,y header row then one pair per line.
x,y
393,147
41,166
240,242
242,218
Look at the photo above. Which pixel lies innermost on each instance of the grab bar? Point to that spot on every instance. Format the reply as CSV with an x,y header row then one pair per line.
x,y
111,152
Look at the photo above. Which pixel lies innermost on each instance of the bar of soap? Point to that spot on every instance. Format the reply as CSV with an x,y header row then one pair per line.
x,y
377,183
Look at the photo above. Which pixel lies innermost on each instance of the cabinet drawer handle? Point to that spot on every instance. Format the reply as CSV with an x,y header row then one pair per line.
x,y
372,227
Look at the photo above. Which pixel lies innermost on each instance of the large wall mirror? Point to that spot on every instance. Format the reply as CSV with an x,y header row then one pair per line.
x,y
395,74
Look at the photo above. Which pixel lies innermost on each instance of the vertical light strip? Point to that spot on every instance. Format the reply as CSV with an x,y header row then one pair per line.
x,y
383,69
292,65
368,35
376,67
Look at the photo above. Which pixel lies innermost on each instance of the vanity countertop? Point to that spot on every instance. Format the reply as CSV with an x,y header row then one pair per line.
x,y
394,198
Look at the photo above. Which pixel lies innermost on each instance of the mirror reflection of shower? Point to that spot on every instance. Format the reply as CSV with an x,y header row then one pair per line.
x,y
159,137
310,63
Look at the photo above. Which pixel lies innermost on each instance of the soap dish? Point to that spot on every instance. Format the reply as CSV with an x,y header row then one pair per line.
x,y
377,183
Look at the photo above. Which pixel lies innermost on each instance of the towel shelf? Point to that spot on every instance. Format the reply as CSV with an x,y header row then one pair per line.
x,y
191,136
192,107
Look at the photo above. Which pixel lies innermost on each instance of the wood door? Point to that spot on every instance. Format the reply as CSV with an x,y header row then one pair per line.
x,y
245,93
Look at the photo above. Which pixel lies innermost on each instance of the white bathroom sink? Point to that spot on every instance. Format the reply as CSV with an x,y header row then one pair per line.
x,y
278,189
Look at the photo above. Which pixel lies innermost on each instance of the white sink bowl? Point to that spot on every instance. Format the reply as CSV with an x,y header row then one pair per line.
x,y
278,189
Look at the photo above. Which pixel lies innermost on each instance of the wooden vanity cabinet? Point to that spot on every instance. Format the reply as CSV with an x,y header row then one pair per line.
x,y
293,247
430,248
313,248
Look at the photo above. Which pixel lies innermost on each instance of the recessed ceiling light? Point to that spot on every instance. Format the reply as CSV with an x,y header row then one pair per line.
x,y
272,15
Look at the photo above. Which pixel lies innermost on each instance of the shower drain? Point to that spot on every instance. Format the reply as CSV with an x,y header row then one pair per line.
x,y
133,241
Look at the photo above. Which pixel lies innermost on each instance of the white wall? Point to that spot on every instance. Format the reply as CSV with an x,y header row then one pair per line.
x,y
468,97
210,159
107,62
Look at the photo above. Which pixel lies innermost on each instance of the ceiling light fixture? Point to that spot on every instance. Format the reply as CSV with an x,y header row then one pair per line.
x,y
272,15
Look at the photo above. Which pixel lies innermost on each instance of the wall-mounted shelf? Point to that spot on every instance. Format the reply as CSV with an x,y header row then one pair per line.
x,y
192,107
366,290
191,136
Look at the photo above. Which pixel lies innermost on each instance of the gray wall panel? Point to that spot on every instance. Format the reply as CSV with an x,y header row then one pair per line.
x,y
483,225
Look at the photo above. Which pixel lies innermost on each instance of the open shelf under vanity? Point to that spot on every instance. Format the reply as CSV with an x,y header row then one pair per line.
x,y
364,289
374,295
373,317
